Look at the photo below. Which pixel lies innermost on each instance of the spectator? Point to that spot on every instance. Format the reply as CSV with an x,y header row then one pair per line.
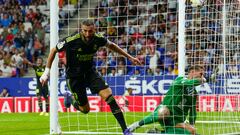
x,y
1,74
175,69
158,71
154,60
6,21
103,71
128,92
7,70
4,93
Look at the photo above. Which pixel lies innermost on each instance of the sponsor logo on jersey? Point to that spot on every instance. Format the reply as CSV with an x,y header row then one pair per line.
x,y
80,49
60,45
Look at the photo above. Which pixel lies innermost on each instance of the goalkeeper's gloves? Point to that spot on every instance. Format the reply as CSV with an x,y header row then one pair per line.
x,y
213,76
43,79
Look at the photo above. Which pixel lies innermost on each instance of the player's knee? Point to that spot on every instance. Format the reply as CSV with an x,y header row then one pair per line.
x,y
105,94
163,112
85,109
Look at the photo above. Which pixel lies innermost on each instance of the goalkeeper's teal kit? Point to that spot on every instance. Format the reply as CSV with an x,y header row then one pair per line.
x,y
181,101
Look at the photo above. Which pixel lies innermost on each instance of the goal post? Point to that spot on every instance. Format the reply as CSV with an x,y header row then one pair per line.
x,y
54,124
163,34
181,38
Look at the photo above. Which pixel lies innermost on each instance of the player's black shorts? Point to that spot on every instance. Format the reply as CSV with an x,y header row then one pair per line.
x,y
42,90
91,80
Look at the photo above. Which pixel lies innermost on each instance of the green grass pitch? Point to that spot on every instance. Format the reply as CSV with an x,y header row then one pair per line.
x,y
32,124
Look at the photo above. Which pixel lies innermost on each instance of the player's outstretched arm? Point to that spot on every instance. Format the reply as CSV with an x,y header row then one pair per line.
x,y
119,50
51,56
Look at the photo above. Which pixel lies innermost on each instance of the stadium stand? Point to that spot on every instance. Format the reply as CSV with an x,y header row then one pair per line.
x,y
145,29
18,40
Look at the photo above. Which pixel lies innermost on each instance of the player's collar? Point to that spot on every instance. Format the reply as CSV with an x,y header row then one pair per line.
x,y
84,40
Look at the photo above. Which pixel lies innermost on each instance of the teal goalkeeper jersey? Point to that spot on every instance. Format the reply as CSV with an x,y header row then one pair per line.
x,y
181,99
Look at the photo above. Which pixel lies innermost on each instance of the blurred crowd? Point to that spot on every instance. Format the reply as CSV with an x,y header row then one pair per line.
x,y
143,28
147,29
24,34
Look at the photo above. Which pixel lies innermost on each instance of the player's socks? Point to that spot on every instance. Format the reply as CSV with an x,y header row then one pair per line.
x,y
127,132
134,126
40,105
75,105
116,112
47,107
151,118
67,99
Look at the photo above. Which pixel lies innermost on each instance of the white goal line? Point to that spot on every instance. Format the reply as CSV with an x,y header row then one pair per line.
x,y
120,133
227,122
108,133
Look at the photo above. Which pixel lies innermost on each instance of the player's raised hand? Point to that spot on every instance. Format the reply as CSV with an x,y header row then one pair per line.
x,y
135,61
44,78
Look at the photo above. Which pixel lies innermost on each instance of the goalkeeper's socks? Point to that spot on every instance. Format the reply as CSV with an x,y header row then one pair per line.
x,y
151,118
116,112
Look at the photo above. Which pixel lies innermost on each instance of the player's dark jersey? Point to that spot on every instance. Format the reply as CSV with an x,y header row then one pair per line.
x,y
38,71
80,53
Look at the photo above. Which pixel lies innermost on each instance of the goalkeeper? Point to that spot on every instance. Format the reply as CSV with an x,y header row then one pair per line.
x,y
179,102
81,73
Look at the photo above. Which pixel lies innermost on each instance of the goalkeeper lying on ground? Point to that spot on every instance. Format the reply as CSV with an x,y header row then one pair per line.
x,y
179,102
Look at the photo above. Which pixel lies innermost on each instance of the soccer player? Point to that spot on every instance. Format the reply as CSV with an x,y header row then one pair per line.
x,y
179,102
81,73
41,90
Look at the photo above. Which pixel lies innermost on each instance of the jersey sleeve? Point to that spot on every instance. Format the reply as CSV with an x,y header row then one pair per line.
x,y
101,40
61,45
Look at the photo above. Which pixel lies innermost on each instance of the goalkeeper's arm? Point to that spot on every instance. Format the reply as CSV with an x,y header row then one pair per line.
x,y
51,56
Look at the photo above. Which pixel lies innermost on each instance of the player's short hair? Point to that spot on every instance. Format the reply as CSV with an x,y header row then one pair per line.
x,y
88,22
195,67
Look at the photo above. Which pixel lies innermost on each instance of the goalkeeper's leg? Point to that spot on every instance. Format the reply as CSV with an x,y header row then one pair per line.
x,y
160,113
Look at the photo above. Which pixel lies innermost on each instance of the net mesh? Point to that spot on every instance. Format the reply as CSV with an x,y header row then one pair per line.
x,y
147,29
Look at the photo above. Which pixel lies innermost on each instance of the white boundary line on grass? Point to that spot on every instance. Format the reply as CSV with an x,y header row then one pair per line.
x,y
108,133
120,133
237,133
227,122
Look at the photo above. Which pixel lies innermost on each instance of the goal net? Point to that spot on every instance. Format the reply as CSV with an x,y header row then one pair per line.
x,y
212,40
148,30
